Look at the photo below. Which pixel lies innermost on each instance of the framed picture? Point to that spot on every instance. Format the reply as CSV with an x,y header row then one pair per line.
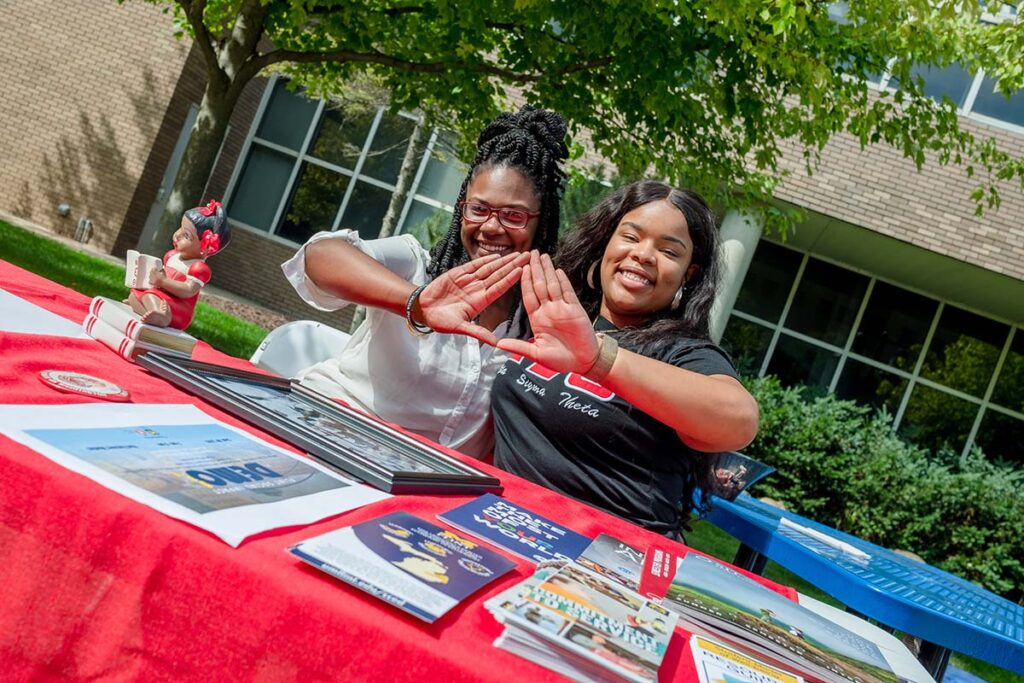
x,y
334,434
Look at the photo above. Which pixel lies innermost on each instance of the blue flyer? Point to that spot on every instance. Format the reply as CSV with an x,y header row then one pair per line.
x,y
516,529
405,561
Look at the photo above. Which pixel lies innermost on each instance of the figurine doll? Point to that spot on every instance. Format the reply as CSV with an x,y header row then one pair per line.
x,y
173,292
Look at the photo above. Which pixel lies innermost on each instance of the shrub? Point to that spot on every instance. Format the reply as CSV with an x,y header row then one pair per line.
x,y
842,465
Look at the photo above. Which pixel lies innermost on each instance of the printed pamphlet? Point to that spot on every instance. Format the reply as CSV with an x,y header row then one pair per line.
x,y
405,561
584,625
735,473
615,559
186,464
516,529
719,663
714,600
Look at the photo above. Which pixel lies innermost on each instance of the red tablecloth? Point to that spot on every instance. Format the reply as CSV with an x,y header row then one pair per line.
x,y
96,586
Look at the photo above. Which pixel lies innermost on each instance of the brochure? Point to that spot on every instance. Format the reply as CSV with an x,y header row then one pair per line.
x,y
405,561
719,663
715,600
585,626
735,473
184,463
615,559
516,529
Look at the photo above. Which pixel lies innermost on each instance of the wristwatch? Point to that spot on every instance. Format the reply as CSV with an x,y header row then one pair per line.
x,y
607,349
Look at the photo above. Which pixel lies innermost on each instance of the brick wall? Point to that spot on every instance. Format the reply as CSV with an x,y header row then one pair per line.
x,y
188,91
84,91
251,268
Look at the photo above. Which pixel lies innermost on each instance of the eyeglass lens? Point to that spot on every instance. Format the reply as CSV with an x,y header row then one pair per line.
x,y
510,218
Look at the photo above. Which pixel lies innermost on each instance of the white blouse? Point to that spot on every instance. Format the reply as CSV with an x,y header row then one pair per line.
x,y
438,386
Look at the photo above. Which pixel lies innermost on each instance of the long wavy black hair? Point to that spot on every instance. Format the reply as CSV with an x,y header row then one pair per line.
x,y
586,244
691,321
532,141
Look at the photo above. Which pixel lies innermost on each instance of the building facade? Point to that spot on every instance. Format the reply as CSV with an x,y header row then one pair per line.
x,y
891,291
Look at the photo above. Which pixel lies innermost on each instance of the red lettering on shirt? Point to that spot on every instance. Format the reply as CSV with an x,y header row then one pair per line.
x,y
588,387
541,371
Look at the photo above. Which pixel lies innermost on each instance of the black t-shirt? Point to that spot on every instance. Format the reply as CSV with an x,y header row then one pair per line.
x,y
568,434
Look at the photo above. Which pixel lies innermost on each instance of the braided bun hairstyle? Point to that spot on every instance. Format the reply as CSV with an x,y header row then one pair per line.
x,y
532,141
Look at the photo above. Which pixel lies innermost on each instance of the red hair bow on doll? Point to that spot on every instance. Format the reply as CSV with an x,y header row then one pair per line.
x,y
210,241
209,210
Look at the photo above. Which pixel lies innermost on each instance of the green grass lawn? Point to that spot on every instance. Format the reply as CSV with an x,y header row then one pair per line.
x,y
95,277
713,541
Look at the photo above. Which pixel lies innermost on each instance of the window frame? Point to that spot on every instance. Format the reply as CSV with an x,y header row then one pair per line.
x,y
913,378
302,156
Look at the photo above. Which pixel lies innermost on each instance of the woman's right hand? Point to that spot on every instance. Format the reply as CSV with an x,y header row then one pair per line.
x,y
452,302
563,336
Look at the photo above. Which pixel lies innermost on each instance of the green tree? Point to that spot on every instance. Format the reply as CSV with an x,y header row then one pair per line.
x,y
701,92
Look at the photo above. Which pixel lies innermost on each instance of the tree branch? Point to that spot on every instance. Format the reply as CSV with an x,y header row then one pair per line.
x,y
194,13
257,64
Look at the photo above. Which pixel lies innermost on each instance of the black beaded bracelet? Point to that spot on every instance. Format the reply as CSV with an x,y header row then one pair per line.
x,y
415,327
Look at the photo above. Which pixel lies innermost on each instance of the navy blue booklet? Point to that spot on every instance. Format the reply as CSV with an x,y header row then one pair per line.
x,y
405,561
516,529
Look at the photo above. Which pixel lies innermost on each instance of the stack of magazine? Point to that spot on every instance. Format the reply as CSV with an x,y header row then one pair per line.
x,y
582,624
714,600
118,327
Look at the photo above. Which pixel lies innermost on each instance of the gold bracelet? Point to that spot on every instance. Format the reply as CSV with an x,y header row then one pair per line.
x,y
607,350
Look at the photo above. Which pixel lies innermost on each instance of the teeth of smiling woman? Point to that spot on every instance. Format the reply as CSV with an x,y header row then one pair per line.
x,y
495,248
635,277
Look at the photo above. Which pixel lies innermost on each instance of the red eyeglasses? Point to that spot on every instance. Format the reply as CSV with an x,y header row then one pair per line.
x,y
513,219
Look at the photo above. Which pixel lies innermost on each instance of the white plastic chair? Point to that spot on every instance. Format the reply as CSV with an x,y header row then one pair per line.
x,y
297,345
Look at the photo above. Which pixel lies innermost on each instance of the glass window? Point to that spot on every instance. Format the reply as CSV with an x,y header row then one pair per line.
x,y
384,159
260,188
894,326
997,105
937,420
952,81
826,302
366,209
1009,391
797,362
1002,437
342,135
871,386
964,351
746,342
287,117
426,223
314,203
768,282
443,176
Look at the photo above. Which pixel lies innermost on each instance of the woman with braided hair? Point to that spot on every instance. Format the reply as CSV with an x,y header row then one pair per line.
x,y
417,360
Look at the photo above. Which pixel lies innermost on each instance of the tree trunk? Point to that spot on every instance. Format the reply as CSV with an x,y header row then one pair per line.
x,y
197,162
410,162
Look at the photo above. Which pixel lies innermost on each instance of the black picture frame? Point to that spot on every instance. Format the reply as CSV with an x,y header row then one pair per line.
x,y
338,436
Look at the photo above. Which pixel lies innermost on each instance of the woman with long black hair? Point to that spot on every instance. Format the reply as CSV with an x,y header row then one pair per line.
x,y
621,394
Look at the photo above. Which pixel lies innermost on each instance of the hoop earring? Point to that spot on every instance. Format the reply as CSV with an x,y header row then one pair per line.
x,y
590,274
678,299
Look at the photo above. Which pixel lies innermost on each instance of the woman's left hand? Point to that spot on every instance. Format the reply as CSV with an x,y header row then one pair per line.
x,y
564,339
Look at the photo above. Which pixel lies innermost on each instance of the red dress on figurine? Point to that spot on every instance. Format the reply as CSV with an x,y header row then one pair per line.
x,y
180,270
